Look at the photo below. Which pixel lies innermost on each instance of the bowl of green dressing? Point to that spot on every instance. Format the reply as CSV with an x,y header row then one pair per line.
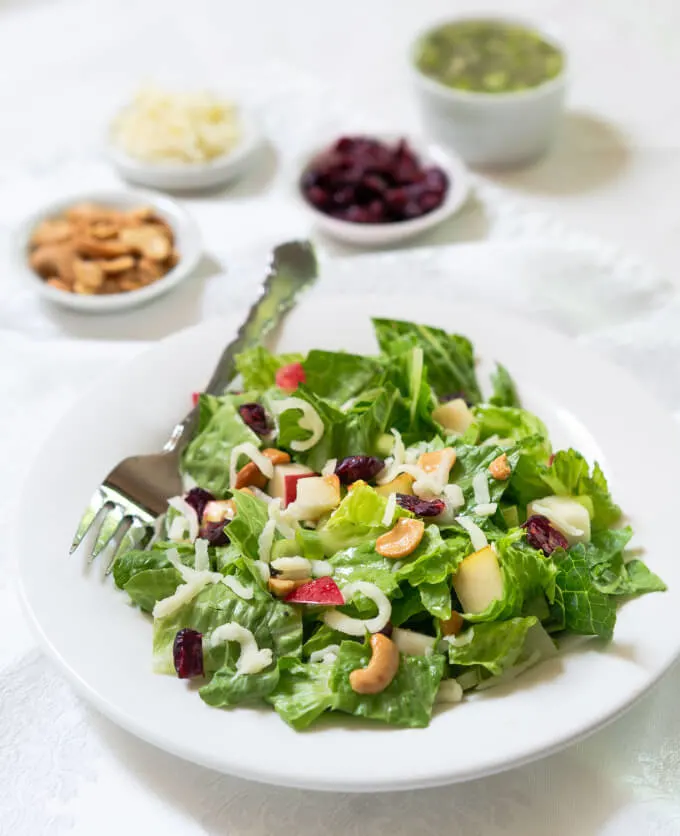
x,y
491,88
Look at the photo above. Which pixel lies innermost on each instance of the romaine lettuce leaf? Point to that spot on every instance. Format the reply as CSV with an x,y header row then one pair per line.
x,y
436,599
206,458
526,573
357,520
228,687
258,367
246,527
407,700
448,358
587,610
515,424
494,645
303,692
322,637
568,475
435,559
363,563
338,376
504,391
471,459
151,585
273,623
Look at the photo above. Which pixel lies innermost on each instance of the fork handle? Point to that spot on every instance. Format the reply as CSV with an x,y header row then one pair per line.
x,y
291,268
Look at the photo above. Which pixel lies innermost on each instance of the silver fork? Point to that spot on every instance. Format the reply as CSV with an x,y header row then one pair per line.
x,y
125,508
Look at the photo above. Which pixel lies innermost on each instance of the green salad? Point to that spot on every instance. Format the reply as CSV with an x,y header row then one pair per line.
x,y
373,535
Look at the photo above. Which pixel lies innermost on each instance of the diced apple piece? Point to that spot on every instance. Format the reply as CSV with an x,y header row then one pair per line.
x,y
316,496
403,483
454,415
478,580
566,514
217,510
283,484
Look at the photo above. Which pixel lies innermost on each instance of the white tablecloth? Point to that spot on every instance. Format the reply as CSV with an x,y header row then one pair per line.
x,y
63,768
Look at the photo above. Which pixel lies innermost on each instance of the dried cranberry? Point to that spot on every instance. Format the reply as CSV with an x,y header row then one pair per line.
x,y
187,653
352,468
255,417
421,507
542,535
214,533
364,180
198,498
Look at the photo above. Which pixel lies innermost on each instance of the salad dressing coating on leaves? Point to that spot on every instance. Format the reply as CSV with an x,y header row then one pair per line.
x,y
517,545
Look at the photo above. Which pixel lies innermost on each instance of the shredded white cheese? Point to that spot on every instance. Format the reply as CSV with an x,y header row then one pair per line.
x,y
292,568
188,513
480,486
261,494
310,420
321,569
449,691
237,587
476,534
248,449
202,558
263,569
177,127
286,524
393,462
329,468
326,654
252,659
390,508
412,643
358,626
486,510
454,495
266,540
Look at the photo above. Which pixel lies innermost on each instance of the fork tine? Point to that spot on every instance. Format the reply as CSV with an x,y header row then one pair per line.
x,y
137,536
108,529
97,502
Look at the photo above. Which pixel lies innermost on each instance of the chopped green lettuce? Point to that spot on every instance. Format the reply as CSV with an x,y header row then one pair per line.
x,y
449,358
494,645
258,367
407,700
207,456
302,693
339,376
504,390
587,610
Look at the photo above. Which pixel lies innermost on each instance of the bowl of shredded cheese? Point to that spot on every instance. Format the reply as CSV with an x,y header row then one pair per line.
x,y
182,139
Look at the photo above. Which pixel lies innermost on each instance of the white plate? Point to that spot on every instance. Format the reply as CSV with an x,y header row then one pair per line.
x,y
379,235
104,646
187,237
192,176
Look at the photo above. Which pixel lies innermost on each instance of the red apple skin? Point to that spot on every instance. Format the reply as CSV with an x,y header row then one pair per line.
x,y
291,486
289,377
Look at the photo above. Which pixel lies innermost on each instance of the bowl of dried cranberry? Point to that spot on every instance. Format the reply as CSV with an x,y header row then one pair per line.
x,y
371,190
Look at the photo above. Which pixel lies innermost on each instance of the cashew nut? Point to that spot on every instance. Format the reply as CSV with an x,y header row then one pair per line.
x,y
250,474
402,539
276,456
381,669
280,587
431,462
500,468
452,626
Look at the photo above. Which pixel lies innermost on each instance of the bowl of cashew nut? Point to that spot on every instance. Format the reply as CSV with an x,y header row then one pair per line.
x,y
108,251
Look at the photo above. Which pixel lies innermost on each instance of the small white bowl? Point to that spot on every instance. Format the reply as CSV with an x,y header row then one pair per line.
x,y
191,176
187,239
383,234
491,129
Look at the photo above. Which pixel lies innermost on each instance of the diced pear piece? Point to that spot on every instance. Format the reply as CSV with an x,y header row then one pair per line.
x,y
403,483
454,415
316,496
566,514
478,580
